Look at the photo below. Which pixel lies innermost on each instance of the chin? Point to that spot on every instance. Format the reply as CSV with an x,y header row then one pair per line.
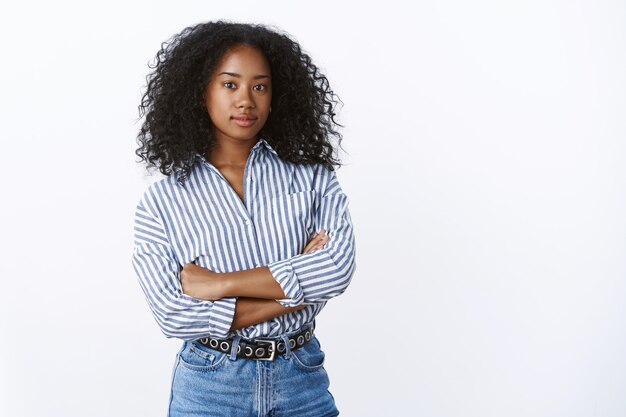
x,y
244,137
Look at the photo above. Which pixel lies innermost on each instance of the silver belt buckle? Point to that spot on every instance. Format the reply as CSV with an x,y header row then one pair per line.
x,y
271,348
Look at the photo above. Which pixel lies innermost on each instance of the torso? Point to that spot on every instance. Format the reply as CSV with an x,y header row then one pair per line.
x,y
208,225
234,176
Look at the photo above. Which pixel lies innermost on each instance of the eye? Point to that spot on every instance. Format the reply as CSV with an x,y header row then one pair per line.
x,y
263,87
228,82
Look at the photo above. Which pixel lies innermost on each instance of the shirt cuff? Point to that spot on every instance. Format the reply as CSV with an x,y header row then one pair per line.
x,y
286,277
222,314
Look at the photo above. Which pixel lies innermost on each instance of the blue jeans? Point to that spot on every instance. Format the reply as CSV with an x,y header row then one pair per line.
x,y
207,382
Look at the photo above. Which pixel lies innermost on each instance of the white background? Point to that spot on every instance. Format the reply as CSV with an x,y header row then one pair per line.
x,y
486,177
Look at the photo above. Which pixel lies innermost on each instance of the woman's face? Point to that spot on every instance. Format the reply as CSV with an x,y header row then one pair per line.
x,y
239,94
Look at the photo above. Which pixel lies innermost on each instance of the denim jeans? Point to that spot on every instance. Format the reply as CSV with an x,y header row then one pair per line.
x,y
207,382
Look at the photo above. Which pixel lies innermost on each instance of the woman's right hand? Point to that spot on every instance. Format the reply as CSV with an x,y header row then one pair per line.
x,y
318,240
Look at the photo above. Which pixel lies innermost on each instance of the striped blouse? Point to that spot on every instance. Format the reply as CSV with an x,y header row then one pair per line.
x,y
204,221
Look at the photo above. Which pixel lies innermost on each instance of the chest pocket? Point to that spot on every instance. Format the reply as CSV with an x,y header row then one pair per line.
x,y
291,217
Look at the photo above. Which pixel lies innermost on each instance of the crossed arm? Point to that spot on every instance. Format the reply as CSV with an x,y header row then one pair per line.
x,y
257,289
195,302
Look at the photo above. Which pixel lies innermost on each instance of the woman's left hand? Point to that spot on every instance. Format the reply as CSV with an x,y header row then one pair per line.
x,y
199,282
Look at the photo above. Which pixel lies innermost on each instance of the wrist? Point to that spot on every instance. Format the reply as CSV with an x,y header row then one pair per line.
x,y
227,284
210,286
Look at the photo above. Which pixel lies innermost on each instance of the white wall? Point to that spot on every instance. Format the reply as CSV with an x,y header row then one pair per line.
x,y
486,175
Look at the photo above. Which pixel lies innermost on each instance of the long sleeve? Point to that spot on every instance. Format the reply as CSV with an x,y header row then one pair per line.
x,y
177,314
320,275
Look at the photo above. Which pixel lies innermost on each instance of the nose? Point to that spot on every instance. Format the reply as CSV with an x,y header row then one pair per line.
x,y
245,99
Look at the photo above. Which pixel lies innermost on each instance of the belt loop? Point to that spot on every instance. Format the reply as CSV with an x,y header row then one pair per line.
x,y
287,347
233,347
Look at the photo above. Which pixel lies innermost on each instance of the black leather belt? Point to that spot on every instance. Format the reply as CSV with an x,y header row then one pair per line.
x,y
263,349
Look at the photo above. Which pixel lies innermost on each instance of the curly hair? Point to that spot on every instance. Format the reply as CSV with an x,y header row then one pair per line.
x,y
177,126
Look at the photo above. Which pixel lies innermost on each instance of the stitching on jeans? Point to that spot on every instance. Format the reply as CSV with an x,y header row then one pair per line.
x,y
258,389
176,365
204,368
270,371
303,365
200,352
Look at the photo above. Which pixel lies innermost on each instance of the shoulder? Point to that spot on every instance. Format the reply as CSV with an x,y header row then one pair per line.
x,y
162,186
320,178
160,192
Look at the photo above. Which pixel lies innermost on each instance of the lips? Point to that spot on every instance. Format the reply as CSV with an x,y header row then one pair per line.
x,y
244,120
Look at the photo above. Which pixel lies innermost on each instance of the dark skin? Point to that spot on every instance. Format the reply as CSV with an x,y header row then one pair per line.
x,y
240,86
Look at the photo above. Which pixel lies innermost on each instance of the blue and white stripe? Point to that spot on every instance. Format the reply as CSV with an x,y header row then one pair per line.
x,y
206,222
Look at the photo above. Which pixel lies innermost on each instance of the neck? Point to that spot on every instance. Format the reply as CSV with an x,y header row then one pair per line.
x,y
230,152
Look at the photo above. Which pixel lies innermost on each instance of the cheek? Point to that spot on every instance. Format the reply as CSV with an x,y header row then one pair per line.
x,y
216,107
215,100
265,102
211,112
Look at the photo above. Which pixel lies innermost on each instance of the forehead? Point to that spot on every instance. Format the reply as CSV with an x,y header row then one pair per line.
x,y
243,59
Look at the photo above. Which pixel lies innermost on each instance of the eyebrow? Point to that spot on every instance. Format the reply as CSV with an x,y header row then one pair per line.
x,y
234,74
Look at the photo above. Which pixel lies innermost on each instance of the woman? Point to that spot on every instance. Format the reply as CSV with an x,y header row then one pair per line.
x,y
248,236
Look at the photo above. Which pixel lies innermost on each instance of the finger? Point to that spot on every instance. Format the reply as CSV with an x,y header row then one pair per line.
x,y
322,240
313,240
320,232
318,238
319,246
312,247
